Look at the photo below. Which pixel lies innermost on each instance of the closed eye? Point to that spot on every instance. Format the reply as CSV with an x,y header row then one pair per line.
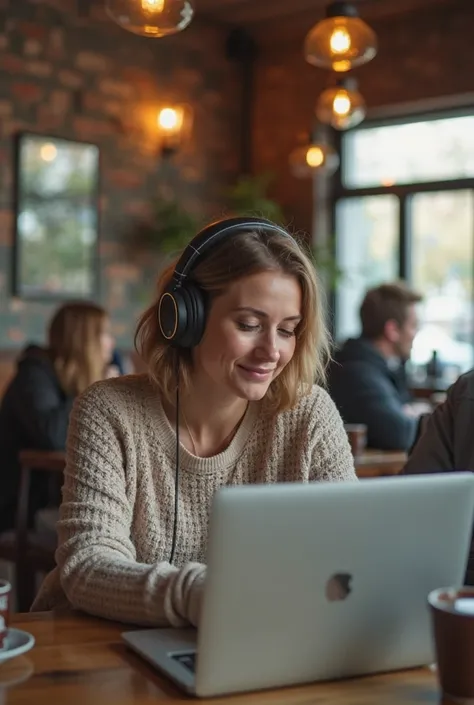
x,y
254,327
248,327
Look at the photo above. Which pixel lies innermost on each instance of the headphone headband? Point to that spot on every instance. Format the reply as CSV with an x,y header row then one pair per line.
x,y
210,236
182,307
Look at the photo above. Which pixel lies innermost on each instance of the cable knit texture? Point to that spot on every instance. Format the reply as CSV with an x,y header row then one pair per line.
x,y
116,519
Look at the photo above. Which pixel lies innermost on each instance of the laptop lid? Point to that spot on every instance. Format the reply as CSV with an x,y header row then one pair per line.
x,y
322,581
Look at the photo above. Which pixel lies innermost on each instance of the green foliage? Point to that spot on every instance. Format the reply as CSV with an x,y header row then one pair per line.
x,y
326,264
249,196
57,253
170,228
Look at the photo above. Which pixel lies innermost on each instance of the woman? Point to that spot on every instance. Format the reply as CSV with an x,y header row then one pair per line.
x,y
248,342
34,412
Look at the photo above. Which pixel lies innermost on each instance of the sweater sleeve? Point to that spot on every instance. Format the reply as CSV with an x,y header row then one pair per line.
x,y
96,558
331,456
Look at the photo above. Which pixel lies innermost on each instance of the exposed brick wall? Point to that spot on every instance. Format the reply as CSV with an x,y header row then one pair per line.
x,y
422,55
47,54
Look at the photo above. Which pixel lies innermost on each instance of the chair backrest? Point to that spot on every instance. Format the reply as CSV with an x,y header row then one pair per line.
x,y
33,461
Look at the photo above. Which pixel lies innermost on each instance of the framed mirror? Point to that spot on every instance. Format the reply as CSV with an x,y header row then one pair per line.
x,y
57,218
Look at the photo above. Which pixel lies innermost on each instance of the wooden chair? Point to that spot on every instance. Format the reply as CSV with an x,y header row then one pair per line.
x,y
26,549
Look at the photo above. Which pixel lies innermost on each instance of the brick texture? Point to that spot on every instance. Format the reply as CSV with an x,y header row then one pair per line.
x,y
422,55
47,53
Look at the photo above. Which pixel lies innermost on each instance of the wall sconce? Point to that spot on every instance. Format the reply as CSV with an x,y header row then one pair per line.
x,y
342,41
174,125
341,105
315,156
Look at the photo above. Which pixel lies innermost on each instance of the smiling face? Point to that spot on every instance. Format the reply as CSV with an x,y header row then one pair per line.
x,y
249,336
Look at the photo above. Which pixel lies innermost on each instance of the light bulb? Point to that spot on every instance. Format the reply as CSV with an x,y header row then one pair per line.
x,y
317,157
340,41
174,126
314,157
153,5
169,119
341,103
151,18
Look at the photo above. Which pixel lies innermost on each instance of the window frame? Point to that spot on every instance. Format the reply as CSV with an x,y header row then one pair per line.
x,y
403,192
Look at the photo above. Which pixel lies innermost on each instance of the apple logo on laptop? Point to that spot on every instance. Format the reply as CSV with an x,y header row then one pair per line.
x,y
338,587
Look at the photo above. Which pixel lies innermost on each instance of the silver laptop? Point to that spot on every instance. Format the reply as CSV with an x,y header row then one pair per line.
x,y
316,582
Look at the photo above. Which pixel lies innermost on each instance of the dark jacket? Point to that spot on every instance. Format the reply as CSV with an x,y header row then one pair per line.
x,y
34,413
367,391
447,443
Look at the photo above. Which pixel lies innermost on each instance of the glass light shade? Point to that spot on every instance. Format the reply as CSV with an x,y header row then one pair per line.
x,y
341,107
151,18
317,156
340,42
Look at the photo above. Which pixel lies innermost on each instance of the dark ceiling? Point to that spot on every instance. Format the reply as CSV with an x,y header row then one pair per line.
x,y
249,12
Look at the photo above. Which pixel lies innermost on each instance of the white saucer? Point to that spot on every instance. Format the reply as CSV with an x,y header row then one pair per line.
x,y
16,643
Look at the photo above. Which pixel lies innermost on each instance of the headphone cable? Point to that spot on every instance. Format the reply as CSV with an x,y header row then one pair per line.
x,y
177,462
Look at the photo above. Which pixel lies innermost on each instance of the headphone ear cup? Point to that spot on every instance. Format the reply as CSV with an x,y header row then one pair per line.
x,y
194,300
200,313
172,315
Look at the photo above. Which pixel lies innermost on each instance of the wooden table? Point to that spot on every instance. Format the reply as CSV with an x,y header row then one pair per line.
x,y
372,463
81,661
380,463
49,460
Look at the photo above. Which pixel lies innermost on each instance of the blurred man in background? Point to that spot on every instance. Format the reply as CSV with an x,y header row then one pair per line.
x,y
367,377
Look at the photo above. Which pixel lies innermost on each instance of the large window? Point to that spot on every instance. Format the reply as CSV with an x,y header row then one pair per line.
x,y
367,251
405,209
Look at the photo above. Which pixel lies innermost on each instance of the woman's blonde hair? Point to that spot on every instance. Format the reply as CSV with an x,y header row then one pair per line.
x,y
235,258
75,345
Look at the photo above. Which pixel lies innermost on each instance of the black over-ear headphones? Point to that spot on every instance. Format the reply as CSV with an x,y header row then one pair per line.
x,y
182,306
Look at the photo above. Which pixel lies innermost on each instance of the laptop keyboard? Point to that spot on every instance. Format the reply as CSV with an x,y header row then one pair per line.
x,y
188,660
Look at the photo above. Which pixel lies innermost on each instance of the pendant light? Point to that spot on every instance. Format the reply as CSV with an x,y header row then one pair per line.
x,y
151,18
341,105
315,156
342,41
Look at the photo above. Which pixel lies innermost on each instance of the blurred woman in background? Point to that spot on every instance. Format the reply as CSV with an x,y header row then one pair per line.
x,y
34,412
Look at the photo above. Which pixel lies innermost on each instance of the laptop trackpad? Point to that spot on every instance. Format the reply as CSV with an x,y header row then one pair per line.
x,y
171,650
188,660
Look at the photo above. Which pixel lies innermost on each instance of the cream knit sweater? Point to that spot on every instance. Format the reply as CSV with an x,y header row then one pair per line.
x,y
116,519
